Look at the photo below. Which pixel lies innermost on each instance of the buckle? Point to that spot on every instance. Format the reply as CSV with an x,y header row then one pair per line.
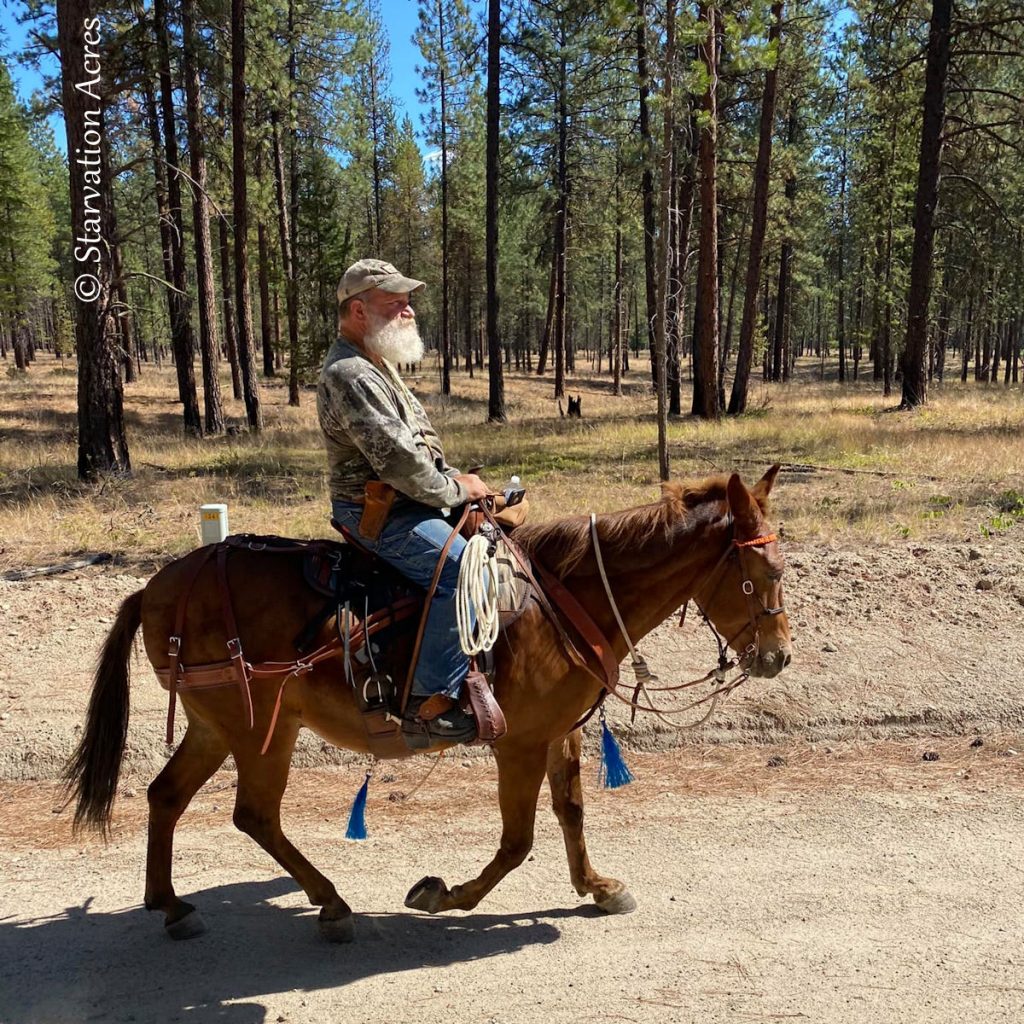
x,y
234,648
174,646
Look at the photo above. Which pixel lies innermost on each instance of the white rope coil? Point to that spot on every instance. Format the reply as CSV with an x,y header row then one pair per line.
x,y
477,594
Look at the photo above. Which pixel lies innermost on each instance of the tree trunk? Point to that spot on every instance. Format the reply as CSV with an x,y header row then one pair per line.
x,y
123,314
779,359
446,340
617,302
841,240
292,277
263,282
561,230
664,249
284,234
246,358
102,446
227,291
162,211
915,379
181,315
549,318
726,353
705,382
759,222
208,341
495,372
647,179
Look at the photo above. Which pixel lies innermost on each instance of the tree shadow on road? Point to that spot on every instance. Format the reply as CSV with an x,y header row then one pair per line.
x,y
81,965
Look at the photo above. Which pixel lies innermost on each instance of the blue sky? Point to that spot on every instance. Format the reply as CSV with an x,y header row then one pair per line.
x,y
399,17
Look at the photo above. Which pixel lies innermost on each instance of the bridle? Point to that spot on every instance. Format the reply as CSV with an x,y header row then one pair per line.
x,y
723,685
739,548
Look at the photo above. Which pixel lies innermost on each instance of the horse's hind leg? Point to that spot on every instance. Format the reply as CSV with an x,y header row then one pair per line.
x,y
520,774
567,799
199,755
261,784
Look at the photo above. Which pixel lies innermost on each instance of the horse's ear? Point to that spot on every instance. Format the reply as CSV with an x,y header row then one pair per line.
x,y
742,505
763,487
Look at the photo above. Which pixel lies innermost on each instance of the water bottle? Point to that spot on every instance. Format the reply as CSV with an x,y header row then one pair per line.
x,y
513,492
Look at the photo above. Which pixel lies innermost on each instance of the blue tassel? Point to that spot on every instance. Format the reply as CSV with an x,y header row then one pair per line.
x,y
357,816
613,772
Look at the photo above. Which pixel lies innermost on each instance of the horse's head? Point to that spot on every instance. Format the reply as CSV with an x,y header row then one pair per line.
x,y
743,595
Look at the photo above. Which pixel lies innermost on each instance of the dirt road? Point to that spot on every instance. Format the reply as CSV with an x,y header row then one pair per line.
x,y
861,884
854,881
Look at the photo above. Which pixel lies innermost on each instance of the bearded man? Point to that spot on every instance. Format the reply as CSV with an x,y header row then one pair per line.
x,y
379,439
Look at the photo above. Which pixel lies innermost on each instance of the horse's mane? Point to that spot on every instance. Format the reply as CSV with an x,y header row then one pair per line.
x,y
561,545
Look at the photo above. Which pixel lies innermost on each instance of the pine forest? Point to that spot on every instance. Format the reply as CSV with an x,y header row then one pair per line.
x,y
704,194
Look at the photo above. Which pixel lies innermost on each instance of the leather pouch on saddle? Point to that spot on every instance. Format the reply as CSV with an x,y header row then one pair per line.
x,y
508,517
378,499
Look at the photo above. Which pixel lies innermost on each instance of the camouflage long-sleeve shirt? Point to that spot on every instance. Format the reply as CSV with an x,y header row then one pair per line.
x,y
375,429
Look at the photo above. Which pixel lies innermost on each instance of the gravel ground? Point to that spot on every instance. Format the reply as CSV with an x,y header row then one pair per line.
x,y
851,880
864,884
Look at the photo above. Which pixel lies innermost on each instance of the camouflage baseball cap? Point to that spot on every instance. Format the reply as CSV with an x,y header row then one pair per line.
x,y
367,274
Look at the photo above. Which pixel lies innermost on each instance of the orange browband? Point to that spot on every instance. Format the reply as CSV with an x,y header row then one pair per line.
x,y
757,542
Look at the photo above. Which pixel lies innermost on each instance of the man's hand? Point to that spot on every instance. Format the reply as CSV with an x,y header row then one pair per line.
x,y
475,487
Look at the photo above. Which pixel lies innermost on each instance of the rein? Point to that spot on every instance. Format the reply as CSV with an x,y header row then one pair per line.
x,y
644,676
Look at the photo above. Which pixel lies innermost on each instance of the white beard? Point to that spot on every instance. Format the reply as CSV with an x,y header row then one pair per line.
x,y
398,340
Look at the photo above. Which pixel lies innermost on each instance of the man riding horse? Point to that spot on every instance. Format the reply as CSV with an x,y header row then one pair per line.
x,y
391,487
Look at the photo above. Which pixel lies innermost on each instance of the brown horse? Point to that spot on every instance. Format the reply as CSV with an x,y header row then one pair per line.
x,y
657,558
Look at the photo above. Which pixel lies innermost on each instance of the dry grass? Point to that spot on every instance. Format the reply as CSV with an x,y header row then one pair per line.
x,y
860,470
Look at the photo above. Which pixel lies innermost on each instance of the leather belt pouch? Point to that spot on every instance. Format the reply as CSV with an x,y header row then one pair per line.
x,y
379,499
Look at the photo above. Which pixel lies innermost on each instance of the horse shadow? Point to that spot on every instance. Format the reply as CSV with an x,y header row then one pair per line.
x,y
82,965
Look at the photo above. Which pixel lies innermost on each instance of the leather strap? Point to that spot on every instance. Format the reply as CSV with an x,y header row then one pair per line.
x,y
426,608
174,643
234,643
584,624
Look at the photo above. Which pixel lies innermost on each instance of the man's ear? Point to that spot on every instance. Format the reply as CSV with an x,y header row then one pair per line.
x,y
763,487
744,509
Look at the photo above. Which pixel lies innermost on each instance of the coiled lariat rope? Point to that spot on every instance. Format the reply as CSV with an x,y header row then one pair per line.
x,y
477,595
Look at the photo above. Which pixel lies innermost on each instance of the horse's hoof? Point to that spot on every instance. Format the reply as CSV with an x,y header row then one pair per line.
x,y
337,929
427,894
620,902
187,927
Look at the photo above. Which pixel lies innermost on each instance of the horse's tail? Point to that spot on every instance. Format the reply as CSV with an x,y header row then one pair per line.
x,y
90,777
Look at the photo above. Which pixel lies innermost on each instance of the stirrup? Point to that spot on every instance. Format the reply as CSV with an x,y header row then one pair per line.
x,y
450,726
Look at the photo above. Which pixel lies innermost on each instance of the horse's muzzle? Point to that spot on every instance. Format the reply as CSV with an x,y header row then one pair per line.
x,y
771,663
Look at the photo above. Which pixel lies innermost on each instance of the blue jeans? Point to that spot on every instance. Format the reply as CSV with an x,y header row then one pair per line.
x,y
411,541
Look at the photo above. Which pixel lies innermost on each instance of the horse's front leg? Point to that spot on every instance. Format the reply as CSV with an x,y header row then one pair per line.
x,y
520,773
261,784
567,799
